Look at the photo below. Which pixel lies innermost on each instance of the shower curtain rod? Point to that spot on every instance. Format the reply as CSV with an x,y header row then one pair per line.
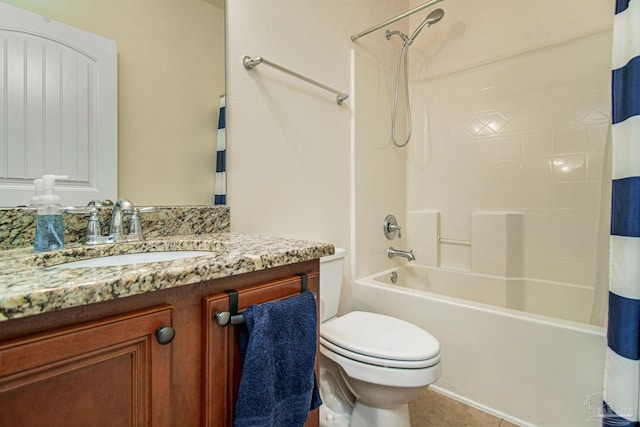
x,y
250,63
392,20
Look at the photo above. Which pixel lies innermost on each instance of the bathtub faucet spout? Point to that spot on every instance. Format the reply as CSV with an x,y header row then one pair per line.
x,y
392,252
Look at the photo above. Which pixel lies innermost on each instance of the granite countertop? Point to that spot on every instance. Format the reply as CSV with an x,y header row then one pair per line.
x,y
30,284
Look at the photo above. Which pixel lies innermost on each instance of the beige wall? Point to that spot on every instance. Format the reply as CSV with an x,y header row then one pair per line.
x,y
171,74
291,150
290,155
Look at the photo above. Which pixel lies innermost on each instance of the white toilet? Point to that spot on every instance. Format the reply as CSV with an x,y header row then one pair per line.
x,y
371,365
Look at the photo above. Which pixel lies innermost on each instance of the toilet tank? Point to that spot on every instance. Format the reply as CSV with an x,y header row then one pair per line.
x,y
331,270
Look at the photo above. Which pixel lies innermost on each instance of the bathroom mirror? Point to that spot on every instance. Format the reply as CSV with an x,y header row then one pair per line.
x,y
171,76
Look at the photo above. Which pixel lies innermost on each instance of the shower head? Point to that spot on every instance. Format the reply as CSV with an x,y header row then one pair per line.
x,y
431,19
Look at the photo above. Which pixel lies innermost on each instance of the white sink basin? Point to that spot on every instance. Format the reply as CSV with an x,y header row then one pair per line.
x,y
128,259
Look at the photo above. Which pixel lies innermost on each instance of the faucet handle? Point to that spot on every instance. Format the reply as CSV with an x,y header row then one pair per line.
x,y
135,229
391,227
98,203
94,228
148,209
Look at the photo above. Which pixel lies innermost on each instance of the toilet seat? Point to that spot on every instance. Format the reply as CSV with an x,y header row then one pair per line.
x,y
383,375
376,361
380,340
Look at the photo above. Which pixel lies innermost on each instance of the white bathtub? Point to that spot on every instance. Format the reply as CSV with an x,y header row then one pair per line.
x,y
517,348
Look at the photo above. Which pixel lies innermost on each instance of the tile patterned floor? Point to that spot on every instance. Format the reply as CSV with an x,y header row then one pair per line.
x,y
433,409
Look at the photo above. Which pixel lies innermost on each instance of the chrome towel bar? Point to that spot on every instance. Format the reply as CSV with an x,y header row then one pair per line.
x,y
250,63
232,317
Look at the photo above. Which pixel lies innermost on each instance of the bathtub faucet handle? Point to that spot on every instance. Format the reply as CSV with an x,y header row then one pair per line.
x,y
391,227
397,228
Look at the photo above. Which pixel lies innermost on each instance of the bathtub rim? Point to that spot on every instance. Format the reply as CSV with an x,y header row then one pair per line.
x,y
487,308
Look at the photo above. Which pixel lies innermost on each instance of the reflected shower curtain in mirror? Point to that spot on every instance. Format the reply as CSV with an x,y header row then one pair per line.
x,y
622,371
220,197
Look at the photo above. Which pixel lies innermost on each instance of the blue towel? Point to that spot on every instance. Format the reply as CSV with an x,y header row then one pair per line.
x,y
278,386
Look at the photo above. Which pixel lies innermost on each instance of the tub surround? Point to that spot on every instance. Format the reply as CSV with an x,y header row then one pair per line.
x,y
495,248
497,243
29,284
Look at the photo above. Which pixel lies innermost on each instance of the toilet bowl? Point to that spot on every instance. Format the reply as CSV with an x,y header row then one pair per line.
x,y
371,365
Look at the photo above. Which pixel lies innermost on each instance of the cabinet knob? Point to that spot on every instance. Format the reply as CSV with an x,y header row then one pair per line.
x,y
222,318
165,334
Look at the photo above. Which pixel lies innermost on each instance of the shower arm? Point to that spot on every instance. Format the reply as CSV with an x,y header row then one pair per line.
x,y
392,20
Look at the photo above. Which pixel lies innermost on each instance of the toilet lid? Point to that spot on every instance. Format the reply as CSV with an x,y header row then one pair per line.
x,y
380,336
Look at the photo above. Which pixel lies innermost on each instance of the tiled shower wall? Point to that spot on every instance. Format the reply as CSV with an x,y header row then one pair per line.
x,y
380,176
528,134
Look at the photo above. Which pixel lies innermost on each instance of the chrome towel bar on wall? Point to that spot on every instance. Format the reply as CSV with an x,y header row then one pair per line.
x,y
250,63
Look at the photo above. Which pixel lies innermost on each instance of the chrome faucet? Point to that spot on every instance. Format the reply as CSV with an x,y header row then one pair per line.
x,y
116,229
392,252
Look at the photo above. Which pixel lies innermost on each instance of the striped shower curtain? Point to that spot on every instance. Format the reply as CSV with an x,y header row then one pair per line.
x,y
622,372
220,197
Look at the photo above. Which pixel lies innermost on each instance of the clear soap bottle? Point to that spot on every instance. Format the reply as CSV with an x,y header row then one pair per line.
x,y
35,200
49,223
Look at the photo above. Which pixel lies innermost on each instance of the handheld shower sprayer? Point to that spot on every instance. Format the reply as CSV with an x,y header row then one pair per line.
x,y
432,18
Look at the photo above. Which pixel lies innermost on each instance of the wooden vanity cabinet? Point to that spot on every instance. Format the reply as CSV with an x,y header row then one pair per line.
x,y
101,364
221,352
110,372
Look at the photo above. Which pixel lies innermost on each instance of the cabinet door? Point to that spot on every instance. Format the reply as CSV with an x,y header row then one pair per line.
x,y
110,372
221,353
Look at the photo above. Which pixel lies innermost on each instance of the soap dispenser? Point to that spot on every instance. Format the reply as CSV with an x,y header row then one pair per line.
x,y
39,185
49,224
